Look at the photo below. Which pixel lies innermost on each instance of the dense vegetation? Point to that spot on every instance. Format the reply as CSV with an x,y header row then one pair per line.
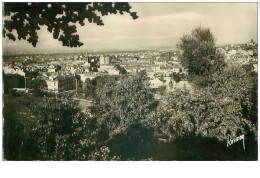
x,y
126,122
48,128
12,81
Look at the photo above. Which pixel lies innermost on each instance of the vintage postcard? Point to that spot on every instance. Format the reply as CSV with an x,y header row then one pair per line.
x,y
125,81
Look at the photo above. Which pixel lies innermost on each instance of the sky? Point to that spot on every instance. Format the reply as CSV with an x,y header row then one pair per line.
x,y
159,24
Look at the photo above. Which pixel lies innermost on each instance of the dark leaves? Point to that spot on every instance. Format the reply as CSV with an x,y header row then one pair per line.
x,y
134,15
28,17
11,36
33,38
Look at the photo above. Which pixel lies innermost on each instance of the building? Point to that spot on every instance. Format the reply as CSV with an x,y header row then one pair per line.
x,y
102,60
84,77
176,70
105,60
105,67
156,83
160,62
9,70
51,68
232,52
61,83
156,68
52,85
180,85
113,71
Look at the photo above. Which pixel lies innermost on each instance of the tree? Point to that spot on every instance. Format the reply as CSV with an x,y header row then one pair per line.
x,y
212,111
38,85
199,121
161,78
45,128
199,52
176,77
122,70
248,67
12,81
122,111
26,19
58,68
102,154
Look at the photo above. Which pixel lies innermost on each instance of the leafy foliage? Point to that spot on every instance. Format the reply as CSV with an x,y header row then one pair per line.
x,y
175,77
102,154
12,81
122,110
199,52
122,70
26,19
126,122
38,85
45,129
212,111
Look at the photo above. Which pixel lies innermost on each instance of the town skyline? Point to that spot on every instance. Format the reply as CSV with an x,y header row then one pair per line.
x,y
158,25
130,93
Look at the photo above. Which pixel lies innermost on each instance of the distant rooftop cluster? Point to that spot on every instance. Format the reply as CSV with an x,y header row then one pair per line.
x,y
69,72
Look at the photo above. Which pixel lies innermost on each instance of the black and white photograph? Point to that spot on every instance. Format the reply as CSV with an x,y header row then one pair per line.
x,y
129,81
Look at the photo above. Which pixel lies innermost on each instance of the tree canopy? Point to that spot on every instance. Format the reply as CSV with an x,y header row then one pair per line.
x,y
60,18
199,52
212,111
123,112
45,128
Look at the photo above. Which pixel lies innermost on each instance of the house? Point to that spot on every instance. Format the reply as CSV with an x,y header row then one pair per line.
x,y
250,52
174,58
83,77
160,62
61,82
180,85
156,83
113,71
176,70
9,70
51,68
52,85
20,72
156,68
105,67
232,52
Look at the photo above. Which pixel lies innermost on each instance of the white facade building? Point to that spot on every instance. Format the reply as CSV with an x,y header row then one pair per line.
x,y
52,85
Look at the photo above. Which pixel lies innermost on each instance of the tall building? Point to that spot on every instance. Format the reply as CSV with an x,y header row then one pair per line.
x,y
107,60
104,60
